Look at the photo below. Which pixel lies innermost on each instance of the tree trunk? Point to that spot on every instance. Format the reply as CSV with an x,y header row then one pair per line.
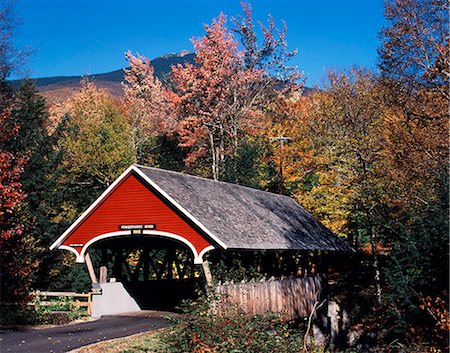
x,y
221,165
375,265
235,150
214,156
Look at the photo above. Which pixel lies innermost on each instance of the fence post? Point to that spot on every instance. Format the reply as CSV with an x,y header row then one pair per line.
x,y
89,307
103,274
207,273
36,300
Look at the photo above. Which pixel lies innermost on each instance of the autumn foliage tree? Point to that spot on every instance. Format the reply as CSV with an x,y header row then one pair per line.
x,y
94,137
11,169
226,93
149,105
39,180
215,97
271,54
368,155
415,47
415,69
16,247
332,162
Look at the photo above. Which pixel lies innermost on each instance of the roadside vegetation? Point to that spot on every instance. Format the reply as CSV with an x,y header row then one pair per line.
x,y
201,331
56,311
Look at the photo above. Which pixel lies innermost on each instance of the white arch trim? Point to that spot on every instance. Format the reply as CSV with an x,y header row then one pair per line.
x,y
198,257
72,250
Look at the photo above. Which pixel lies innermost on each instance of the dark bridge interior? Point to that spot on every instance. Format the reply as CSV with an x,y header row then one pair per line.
x,y
158,273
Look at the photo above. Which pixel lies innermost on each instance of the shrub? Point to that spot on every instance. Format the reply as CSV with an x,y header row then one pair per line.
x,y
233,331
60,311
12,315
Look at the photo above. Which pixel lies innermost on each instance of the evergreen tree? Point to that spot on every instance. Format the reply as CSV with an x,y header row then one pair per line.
x,y
38,180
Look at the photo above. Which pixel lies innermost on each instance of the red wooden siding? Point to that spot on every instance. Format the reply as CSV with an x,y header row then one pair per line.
x,y
131,202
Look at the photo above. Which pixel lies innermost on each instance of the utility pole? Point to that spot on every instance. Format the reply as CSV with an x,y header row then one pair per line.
x,y
281,140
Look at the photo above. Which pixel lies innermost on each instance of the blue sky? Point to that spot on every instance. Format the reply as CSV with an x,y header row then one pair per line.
x,y
74,37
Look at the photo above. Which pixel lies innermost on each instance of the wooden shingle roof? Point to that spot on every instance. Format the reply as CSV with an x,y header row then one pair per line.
x,y
244,218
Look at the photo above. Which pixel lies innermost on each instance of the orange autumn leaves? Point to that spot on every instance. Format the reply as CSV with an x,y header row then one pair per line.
x,y
209,105
349,145
219,98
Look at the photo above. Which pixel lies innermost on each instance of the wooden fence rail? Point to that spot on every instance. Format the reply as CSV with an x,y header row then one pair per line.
x,y
80,299
294,298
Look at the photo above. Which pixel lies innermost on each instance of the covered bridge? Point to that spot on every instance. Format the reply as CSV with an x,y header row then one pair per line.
x,y
169,221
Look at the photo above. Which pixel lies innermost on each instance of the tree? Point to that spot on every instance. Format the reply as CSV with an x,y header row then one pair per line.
x,y
217,99
15,246
416,270
335,158
30,113
415,63
10,57
94,139
314,169
149,104
11,189
39,180
238,86
414,53
414,59
334,144
414,46
272,54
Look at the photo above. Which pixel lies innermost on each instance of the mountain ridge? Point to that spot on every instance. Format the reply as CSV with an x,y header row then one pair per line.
x,y
162,65
57,89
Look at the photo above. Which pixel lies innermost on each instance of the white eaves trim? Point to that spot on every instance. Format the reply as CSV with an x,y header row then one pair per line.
x,y
134,168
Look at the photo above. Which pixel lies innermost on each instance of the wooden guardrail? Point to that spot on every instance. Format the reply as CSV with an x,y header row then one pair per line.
x,y
80,299
293,298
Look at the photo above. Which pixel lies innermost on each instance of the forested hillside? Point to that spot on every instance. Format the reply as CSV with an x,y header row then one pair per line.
x,y
367,154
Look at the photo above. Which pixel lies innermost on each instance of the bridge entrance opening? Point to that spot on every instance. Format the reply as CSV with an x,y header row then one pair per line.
x,y
158,273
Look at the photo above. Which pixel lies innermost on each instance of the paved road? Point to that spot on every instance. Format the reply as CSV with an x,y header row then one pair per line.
x,y
65,338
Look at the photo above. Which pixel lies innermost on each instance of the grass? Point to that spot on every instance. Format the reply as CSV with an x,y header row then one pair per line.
x,y
146,342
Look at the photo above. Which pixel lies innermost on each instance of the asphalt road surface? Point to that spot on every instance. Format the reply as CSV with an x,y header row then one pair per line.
x,y
65,338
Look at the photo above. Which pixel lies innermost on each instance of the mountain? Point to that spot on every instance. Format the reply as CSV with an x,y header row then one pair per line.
x,y
59,88
161,65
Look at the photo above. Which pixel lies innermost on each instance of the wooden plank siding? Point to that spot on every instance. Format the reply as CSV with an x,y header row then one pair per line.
x,y
293,298
132,202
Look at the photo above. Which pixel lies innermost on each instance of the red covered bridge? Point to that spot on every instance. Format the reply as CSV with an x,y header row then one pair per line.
x,y
162,219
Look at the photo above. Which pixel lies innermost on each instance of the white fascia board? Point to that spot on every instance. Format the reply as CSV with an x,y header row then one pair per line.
x,y
179,207
61,239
